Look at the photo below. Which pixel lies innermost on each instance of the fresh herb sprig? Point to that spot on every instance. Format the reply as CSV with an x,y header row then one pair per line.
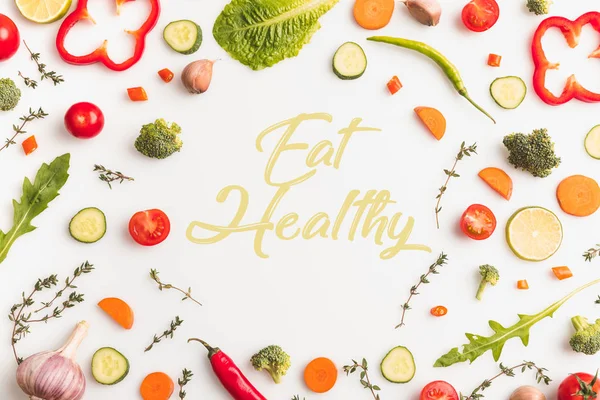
x,y
108,176
187,294
186,377
592,253
433,269
22,319
364,376
168,334
540,376
297,397
464,152
28,81
597,300
20,129
53,76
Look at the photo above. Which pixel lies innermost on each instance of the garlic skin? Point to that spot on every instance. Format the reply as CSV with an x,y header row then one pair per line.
x,y
427,12
54,375
527,393
197,75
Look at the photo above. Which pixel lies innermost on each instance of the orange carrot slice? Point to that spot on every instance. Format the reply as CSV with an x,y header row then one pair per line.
x,y
373,14
157,386
578,195
118,310
433,120
498,180
320,375
522,284
562,272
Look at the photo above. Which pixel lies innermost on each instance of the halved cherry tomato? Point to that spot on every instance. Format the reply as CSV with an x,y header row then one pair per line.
x,y
439,311
9,38
480,15
149,227
438,390
478,222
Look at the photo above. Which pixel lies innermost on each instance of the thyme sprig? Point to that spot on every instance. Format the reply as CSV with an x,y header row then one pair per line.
x,y
592,253
28,81
433,269
187,294
297,397
53,76
364,376
19,129
168,334
186,377
464,152
108,176
540,376
597,300
22,319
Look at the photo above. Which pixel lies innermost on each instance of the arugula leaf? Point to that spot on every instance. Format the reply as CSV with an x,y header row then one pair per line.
x,y
35,198
260,33
479,344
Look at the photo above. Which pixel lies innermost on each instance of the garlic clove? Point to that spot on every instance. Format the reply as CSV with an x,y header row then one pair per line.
x,y
427,12
197,75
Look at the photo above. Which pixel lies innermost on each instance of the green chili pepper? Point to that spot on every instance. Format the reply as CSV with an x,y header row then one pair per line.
x,y
449,69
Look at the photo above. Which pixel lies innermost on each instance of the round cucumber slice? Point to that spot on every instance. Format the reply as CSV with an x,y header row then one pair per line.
x,y
349,61
109,366
183,36
508,92
398,366
592,142
88,225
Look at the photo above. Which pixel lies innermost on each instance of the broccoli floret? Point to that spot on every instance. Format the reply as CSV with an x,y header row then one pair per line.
x,y
159,139
586,338
539,7
489,275
273,360
10,94
533,153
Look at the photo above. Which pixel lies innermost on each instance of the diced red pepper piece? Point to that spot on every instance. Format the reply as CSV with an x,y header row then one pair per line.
x,y
137,94
166,75
494,60
522,284
29,145
562,272
394,85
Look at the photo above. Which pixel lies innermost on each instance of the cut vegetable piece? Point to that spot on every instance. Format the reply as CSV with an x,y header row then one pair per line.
x,y
438,311
508,92
522,284
88,225
398,366
494,60
349,61
562,272
43,11
183,36
394,85
373,14
29,145
433,119
498,180
320,375
157,386
109,366
166,75
592,142
137,94
578,195
118,310
534,233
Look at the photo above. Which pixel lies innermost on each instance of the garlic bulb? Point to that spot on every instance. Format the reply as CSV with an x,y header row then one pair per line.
x,y
527,393
54,375
197,75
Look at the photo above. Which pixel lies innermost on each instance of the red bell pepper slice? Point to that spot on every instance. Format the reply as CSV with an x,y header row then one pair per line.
x,y
101,53
571,30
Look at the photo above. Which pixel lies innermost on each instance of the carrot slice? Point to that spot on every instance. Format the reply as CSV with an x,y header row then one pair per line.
x,y
498,180
373,14
578,195
562,272
157,386
118,310
522,284
320,375
433,120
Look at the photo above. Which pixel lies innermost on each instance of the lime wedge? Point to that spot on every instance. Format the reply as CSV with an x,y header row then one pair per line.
x,y
43,11
534,233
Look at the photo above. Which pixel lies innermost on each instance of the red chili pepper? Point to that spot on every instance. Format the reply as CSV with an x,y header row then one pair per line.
x,y
394,85
232,379
494,60
29,145
101,53
166,75
571,31
137,94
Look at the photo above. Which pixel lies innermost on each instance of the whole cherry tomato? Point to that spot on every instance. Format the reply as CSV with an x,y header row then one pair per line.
x,y
480,15
439,311
478,222
572,389
438,390
84,120
149,227
9,38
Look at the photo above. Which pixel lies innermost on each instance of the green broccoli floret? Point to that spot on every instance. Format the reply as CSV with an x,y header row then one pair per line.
x,y
159,139
533,153
539,7
273,360
10,94
586,338
489,275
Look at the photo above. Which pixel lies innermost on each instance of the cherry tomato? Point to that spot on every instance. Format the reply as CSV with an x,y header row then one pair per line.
x,y
149,227
438,390
570,386
84,120
478,222
9,38
480,15
439,311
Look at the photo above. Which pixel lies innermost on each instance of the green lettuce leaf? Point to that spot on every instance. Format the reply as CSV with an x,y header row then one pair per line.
x,y
48,181
260,33
479,344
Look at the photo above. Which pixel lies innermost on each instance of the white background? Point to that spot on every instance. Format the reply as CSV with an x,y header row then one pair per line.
x,y
319,297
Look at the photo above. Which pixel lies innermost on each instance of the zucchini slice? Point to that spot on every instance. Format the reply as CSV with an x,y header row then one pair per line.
x,y
398,366
183,36
508,92
109,366
88,225
592,142
349,61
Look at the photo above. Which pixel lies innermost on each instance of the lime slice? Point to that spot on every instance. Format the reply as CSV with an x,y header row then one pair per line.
x,y
43,11
534,233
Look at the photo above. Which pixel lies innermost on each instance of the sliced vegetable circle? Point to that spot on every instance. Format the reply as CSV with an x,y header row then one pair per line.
x,y
534,233
349,61
320,375
508,92
109,366
592,142
398,365
578,195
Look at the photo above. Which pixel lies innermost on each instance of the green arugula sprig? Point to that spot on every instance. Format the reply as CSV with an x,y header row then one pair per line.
x,y
53,76
168,334
592,253
187,294
364,376
186,377
20,129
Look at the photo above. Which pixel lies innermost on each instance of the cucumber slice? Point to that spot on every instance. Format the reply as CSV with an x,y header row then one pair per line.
x,y
109,366
88,225
183,36
508,92
349,61
398,366
592,142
